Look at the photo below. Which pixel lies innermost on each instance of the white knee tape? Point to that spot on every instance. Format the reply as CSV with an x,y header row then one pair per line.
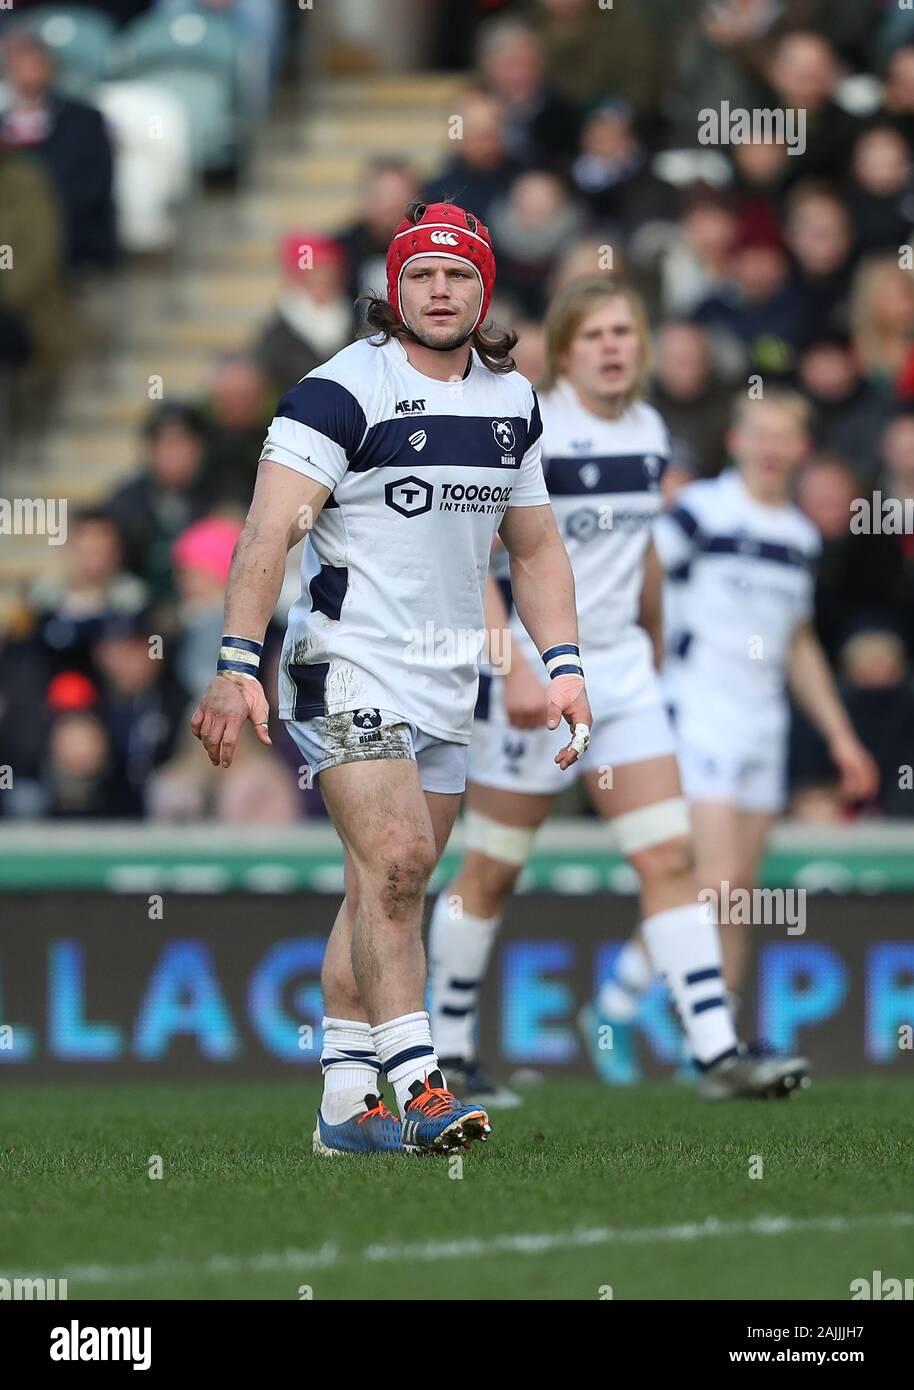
x,y
509,843
652,825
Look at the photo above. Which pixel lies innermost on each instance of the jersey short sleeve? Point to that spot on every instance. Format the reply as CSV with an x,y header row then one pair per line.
x,y
317,428
530,489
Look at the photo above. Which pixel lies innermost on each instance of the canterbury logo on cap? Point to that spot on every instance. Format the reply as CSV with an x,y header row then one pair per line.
x,y
444,239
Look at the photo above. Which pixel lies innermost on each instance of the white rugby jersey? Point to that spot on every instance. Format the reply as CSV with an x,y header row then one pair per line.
x,y
604,480
741,576
393,571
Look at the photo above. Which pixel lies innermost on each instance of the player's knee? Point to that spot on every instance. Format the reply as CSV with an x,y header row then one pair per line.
x,y
493,880
401,872
671,860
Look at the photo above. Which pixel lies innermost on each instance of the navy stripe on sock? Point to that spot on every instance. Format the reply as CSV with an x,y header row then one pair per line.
x,y
450,1012
704,1004
696,977
409,1054
367,1060
463,984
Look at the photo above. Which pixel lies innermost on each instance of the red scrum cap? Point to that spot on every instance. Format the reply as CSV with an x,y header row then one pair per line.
x,y
441,229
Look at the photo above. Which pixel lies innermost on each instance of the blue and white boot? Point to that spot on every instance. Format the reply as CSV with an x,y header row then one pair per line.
x,y
373,1130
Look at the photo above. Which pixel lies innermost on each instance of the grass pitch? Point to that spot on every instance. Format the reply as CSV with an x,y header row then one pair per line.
x,y
645,1191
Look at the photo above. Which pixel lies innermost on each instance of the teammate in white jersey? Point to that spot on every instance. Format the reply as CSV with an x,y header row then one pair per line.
x,y
604,452
400,457
739,558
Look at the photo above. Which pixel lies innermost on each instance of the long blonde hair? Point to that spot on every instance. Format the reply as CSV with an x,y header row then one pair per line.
x,y
871,340
570,308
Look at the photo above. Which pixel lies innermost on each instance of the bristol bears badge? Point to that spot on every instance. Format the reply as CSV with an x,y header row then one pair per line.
x,y
504,434
367,718
503,431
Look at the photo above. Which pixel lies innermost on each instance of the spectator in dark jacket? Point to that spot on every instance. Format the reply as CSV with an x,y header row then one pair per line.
x,y
142,704
820,236
859,571
898,94
541,127
880,194
756,309
314,317
69,138
478,171
238,411
169,493
612,174
692,399
804,73
80,780
848,413
71,606
389,186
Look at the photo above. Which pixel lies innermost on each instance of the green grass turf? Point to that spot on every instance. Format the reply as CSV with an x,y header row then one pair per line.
x,y
240,1182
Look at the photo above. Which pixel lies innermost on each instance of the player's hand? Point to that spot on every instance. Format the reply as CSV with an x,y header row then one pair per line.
x,y
525,697
567,699
859,773
218,718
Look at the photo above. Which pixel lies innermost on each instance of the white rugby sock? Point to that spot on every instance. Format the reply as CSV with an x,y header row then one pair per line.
x,y
631,975
404,1046
684,944
458,953
351,1068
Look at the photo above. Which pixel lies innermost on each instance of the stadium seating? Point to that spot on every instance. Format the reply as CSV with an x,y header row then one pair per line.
x,y
175,317
198,58
80,40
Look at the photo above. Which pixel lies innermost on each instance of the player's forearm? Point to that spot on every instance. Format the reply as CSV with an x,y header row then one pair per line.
x,y
542,584
813,687
255,579
498,627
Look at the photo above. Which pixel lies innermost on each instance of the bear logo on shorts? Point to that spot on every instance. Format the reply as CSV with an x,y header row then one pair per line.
x,y
367,718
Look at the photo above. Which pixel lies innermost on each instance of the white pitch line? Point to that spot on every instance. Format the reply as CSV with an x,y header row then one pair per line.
x,y
329,1254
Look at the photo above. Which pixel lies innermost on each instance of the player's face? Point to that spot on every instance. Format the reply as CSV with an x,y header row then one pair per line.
x,y
767,445
440,301
604,356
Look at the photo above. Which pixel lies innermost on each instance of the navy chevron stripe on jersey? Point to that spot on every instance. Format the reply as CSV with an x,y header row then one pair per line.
x,y
309,682
684,520
328,589
571,477
327,407
536,422
750,549
451,441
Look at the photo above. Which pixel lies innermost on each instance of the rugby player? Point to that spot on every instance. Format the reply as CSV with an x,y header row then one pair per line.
x,y
605,451
739,560
401,457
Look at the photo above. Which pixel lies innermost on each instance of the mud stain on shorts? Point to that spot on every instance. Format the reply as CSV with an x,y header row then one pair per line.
x,y
347,742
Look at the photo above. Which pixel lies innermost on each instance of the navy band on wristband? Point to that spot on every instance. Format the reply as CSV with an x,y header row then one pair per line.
x,y
241,655
564,659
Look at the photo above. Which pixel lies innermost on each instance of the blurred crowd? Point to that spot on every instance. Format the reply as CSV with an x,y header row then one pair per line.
x,y
110,114
578,146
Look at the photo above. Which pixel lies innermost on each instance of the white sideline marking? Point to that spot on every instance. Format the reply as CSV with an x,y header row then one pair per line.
x,y
534,1244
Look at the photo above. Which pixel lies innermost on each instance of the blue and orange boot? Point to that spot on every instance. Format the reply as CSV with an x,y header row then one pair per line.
x,y
376,1130
436,1122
